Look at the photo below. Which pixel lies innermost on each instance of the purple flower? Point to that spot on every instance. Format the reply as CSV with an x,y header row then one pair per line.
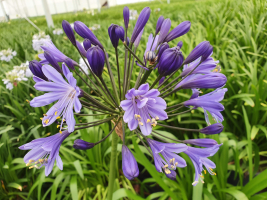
x,y
211,80
52,61
140,23
58,89
209,102
69,63
171,175
199,158
69,32
52,49
149,44
96,59
87,44
138,39
180,44
170,60
169,159
165,27
178,31
206,142
161,80
83,145
129,164
81,49
143,107
44,152
162,48
159,24
36,69
198,51
85,32
126,15
212,129
115,33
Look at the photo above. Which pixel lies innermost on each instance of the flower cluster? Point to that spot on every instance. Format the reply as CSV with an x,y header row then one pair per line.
x,y
58,31
17,74
129,100
133,14
40,39
7,54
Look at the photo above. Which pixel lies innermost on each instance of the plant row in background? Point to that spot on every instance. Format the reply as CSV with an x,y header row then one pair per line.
x,y
236,30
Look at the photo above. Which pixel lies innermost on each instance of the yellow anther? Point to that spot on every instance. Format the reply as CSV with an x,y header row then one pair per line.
x,y
41,118
202,181
27,100
165,166
58,126
176,163
60,131
205,171
148,120
46,121
33,166
157,118
211,169
28,164
140,123
45,114
30,161
58,117
201,176
56,113
139,116
167,171
63,120
215,174
153,120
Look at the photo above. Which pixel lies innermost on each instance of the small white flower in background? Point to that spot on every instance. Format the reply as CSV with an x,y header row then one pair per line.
x,y
72,25
157,9
7,54
133,14
58,31
14,76
24,68
83,66
39,40
95,27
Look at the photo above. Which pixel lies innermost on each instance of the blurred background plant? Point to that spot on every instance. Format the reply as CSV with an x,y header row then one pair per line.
x,y
237,31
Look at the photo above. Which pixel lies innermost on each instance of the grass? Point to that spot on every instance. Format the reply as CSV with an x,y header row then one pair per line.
x,y
236,29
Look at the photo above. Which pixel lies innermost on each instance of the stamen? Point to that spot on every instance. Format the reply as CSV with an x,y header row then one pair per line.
x,y
58,117
56,113
157,118
60,131
205,172
167,171
58,126
140,123
27,100
41,118
148,120
45,114
201,176
194,182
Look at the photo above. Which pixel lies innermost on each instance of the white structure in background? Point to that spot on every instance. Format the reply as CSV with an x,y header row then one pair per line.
x,y
31,8
7,54
39,40
58,31
24,69
83,66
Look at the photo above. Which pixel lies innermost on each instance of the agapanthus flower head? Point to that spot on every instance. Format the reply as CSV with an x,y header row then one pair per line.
x,y
170,60
7,54
129,165
36,69
150,54
178,31
169,160
13,77
165,27
140,23
40,39
199,157
58,31
87,44
52,61
85,32
58,90
83,145
69,31
81,49
143,107
198,51
205,142
126,15
96,59
116,33
162,48
44,152
159,24
209,102
212,129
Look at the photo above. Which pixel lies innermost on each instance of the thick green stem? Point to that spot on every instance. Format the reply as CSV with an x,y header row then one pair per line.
x,y
112,170
145,76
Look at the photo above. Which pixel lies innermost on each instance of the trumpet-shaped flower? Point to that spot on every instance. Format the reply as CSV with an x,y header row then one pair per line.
x,y
143,107
67,95
44,152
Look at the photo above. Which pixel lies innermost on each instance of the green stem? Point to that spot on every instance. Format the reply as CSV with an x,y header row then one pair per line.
x,y
131,71
145,76
118,69
155,82
112,170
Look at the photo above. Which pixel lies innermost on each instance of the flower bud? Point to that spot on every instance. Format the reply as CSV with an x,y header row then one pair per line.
x,y
198,51
83,145
85,32
87,44
162,48
81,49
180,44
36,69
202,142
52,61
128,41
140,23
159,23
126,16
165,27
96,59
69,63
138,39
172,175
69,32
212,129
115,33
207,53
129,164
170,60
211,80
161,80
178,31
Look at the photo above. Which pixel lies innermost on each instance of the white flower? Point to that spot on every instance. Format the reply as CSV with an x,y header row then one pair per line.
x,y
72,25
39,40
95,27
83,66
7,55
58,31
133,14
157,9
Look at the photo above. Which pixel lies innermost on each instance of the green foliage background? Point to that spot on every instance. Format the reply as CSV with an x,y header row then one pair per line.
x,y
237,31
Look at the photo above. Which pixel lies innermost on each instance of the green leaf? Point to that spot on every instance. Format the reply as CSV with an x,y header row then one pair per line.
x,y
74,187
197,191
79,169
235,193
120,193
15,185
